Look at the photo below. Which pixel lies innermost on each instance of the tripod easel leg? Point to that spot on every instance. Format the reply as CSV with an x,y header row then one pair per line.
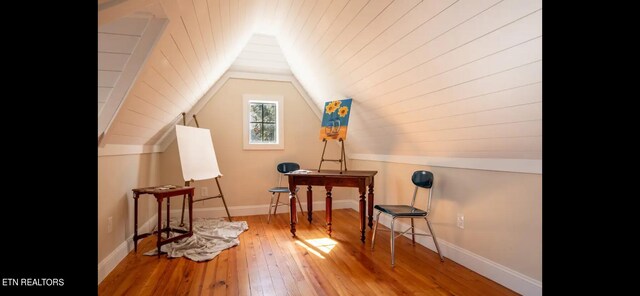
x,y
184,198
223,201
323,150
343,156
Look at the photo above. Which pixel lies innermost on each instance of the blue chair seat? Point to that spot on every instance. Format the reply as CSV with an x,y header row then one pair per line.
x,y
401,210
281,189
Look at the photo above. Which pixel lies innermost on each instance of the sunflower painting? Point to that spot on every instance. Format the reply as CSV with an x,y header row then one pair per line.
x,y
335,119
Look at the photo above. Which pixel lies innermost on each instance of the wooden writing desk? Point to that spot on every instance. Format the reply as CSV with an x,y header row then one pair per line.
x,y
330,179
160,192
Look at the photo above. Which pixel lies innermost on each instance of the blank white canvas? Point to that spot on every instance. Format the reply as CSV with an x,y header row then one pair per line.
x,y
197,156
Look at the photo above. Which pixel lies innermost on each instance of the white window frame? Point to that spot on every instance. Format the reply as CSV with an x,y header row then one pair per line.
x,y
271,99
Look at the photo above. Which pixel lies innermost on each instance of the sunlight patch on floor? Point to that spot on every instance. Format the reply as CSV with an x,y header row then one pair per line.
x,y
323,244
310,249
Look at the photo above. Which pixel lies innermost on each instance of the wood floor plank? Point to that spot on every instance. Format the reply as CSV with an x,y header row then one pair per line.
x,y
282,243
220,278
198,279
269,261
347,258
158,280
187,278
280,277
259,279
241,277
278,266
303,266
352,284
208,279
176,278
272,285
232,261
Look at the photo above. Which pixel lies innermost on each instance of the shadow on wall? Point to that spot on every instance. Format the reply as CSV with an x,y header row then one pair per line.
x,y
362,117
440,203
125,205
169,129
148,169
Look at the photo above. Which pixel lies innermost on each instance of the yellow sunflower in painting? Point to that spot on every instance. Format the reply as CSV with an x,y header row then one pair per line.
x,y
343,111
336,104
330,108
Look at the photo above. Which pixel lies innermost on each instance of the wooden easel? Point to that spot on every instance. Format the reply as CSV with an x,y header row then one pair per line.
x,y
342,160
188,183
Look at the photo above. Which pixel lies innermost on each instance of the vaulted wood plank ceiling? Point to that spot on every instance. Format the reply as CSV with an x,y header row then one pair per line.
x,y
450,78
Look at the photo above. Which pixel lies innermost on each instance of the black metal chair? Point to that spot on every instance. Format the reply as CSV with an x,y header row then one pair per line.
x,y
423,179
283,168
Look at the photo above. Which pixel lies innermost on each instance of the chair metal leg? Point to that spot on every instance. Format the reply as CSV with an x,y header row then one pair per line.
x,y
393,234
277,203
300,204
413,233
375,229
433,235
270,206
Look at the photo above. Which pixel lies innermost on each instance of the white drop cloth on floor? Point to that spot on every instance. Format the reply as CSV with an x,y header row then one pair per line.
x,y
210,237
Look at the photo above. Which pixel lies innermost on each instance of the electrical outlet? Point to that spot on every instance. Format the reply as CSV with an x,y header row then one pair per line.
x,y
460,221
204,191
109,224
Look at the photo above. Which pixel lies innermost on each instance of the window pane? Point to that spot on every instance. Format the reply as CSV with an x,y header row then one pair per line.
x,y
269,133
270,113
256,112
255,133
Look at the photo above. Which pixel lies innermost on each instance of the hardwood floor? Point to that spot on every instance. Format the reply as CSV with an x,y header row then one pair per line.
x,y
269,261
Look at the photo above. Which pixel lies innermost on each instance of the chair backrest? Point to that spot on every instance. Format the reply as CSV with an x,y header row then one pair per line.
x,y
285,167
422,179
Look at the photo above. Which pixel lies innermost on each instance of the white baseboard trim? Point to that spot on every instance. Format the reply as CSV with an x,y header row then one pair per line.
x,y
503,275
110,262
498,273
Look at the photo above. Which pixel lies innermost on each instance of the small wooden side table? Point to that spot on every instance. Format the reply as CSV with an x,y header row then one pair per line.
x,y
161,192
